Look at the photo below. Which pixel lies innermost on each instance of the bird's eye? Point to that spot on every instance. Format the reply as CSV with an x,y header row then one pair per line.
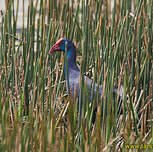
x,y
62,43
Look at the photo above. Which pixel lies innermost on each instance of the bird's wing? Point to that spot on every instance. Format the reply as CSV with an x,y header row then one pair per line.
x,y
90,86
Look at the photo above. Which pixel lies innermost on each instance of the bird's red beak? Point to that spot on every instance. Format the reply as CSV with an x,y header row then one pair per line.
x,y
56,46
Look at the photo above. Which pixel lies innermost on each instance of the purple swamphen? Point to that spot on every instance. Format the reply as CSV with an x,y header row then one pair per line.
x,y
73,78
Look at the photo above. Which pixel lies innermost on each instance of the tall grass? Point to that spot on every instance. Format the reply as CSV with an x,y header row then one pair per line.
x,y
114,44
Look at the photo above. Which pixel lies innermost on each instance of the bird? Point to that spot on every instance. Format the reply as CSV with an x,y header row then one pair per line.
x,y
73,74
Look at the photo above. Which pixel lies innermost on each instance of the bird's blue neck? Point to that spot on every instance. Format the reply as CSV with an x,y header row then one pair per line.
x,y
71,62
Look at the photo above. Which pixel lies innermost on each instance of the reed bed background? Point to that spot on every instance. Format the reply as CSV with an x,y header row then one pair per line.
x,y
114,44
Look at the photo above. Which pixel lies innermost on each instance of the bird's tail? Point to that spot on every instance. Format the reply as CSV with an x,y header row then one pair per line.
x,y
119,90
